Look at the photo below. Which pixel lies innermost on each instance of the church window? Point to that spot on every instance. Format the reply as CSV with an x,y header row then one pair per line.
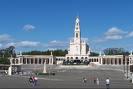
x,y
76,35
76,57
76,28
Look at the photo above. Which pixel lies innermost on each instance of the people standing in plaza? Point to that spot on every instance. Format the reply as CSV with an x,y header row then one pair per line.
x,y
94,80
107,83
30,79
84,80
97,81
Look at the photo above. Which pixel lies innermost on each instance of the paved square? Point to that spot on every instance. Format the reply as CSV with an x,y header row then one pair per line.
x,y
69,78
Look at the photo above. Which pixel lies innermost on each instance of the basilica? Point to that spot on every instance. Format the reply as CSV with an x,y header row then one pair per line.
x,y
79,49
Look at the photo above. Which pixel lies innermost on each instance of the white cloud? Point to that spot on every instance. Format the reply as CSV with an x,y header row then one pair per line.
x,y
114,37
27,44
10,44
37,45
85,39
24,44
5,38
114,33
99,40
28,27
0,45
130,34
54,41
56,44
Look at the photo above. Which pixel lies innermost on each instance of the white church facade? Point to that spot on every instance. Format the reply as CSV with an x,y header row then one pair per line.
x,y
78,48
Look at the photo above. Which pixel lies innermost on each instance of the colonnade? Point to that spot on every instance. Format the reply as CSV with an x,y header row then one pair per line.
x,y
104,60
32,60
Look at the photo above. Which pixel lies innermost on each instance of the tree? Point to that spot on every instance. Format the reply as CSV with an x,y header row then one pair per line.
x,y
57,52
94,54
6,53
115,51
4,61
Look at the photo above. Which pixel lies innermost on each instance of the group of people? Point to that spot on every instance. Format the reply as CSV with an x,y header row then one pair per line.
x,y
33,80
96,81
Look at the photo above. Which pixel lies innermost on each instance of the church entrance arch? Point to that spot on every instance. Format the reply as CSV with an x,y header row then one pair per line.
x,y
76,57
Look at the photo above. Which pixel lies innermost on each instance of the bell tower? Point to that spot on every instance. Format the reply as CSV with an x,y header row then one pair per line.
x,y
78,47
77,31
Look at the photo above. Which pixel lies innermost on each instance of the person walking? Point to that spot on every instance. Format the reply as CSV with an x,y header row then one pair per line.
x,y
107,83
35,81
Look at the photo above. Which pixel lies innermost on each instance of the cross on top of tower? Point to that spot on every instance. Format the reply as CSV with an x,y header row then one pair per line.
x,y
77,19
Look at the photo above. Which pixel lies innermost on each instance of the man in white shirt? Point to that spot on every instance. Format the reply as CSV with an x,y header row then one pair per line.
x,y
35,81
107,83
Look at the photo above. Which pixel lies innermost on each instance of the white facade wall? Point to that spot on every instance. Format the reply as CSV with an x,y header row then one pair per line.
x,y
78,48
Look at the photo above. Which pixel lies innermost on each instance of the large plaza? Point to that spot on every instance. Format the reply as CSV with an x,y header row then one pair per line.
x,y
70,78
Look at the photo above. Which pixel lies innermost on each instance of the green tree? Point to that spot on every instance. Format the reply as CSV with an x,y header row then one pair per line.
x,y
115,51
6,53
94,54
57,52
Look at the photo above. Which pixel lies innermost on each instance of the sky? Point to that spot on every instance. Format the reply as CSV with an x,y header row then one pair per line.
x,y
49,24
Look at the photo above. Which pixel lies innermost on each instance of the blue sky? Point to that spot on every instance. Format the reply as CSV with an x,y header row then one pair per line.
x,y
49,24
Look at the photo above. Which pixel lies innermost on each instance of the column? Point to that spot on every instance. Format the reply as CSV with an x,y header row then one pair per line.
x,y
33,60
121,61
19,61
49,60
37,60
132,77
30,60
41,60
117,61
26,60
125,60
113,61
52,60
44,67
129,61
106,61
109,61
101,60
22,60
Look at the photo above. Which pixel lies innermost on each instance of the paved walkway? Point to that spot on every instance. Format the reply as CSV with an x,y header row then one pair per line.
x,y
69,79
